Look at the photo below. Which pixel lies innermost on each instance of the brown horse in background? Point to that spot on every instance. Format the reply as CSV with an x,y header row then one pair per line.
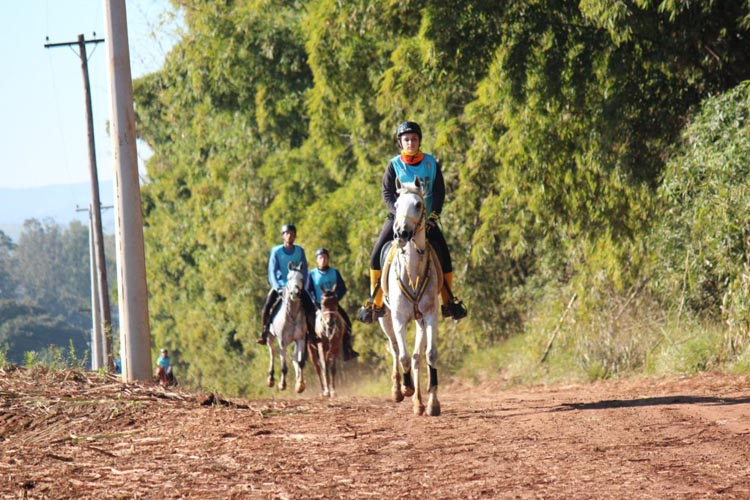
x,y
329,333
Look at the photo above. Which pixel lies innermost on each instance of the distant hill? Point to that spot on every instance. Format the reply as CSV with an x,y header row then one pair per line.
x,y
57,202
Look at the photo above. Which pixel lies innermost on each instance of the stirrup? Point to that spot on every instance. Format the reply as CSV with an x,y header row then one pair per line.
x,y
365,313
379,312
447,310
349,354
458,309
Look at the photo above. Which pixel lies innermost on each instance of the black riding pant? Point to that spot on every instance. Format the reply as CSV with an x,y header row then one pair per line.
x,y
434,236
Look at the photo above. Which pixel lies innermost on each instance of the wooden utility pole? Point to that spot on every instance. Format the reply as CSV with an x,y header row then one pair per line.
x,y
101,266
135,334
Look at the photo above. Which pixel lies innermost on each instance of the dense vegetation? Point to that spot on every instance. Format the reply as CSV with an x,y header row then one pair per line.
x,y
594,152
45,292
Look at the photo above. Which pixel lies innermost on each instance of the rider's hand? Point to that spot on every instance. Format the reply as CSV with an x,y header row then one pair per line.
x,y
432,220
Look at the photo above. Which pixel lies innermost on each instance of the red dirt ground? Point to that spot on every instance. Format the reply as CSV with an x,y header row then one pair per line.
x,y
80,435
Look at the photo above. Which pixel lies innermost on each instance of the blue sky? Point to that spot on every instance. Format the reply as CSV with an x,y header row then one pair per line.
x,y
43,130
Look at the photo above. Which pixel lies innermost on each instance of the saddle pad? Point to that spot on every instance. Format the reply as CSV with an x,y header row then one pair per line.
x,y
386,257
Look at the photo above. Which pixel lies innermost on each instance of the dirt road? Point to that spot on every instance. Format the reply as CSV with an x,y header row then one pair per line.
x,y
73,435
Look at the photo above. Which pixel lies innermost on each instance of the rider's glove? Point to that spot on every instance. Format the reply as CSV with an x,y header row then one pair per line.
x,y
432,221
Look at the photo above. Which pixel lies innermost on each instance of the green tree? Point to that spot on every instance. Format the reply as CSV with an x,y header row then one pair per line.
x,y
26,328
703,232
7,281
553,119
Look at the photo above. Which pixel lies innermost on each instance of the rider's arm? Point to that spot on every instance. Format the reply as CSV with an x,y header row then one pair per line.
x,y
273,268
438,190
389,188
340,286
303,261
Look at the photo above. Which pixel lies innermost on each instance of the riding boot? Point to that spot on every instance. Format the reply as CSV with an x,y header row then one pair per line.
x,y
373,308
452,306
263,339
347,349
446,296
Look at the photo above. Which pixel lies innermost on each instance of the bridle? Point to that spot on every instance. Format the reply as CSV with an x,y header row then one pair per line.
x,y
418,221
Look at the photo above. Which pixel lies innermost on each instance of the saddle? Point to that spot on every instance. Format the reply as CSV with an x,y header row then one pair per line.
x,y
386,258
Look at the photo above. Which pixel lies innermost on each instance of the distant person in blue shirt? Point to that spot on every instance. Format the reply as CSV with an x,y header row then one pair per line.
x,y
325,277
278,261
164,367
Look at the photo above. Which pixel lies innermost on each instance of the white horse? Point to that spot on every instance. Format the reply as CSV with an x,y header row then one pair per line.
x,y
329,330
411,289
288,326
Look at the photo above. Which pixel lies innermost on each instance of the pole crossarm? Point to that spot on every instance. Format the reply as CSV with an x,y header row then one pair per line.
x,y
67,44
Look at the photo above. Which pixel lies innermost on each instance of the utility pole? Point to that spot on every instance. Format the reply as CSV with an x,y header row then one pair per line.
x,y
135,333
97,335
104,306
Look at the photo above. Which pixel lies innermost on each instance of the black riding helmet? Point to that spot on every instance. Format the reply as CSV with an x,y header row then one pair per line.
x,y
288,227
408,128
321,251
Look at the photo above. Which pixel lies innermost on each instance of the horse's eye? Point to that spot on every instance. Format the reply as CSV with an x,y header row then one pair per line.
x,y
419,205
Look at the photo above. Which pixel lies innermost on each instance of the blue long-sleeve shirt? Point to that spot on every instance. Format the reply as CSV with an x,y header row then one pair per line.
x,y
325,279
278,264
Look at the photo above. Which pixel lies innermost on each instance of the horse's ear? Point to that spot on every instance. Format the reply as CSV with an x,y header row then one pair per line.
x,y
418,182
290,266
398,183
334,287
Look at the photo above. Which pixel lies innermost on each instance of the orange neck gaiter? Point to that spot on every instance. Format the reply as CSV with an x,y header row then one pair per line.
x,y
411,159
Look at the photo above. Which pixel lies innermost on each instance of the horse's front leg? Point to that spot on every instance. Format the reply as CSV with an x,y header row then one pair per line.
x,y
331,366
271,356
416,358
399,329
396,394
316,356
299,364
431,355
284,368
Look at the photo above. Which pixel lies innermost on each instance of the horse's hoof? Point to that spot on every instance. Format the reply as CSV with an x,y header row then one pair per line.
x,y
270,381
418,408
300,387
397,396
433,408
332,394
408,391
282,387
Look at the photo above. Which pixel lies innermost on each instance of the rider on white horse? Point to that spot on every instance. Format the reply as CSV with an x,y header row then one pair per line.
x,y
326,277
406,167
278,261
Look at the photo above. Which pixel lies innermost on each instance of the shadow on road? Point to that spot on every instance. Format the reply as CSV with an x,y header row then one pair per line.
x,y
655,401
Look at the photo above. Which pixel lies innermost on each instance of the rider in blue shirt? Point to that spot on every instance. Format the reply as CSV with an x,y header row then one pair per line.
x,y
325,277
278,261
405,167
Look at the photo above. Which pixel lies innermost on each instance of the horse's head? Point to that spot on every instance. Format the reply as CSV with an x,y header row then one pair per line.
x,y
410,211
329,301
295,281
329,306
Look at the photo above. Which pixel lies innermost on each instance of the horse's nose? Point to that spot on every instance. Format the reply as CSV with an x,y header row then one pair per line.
x,y
404,235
